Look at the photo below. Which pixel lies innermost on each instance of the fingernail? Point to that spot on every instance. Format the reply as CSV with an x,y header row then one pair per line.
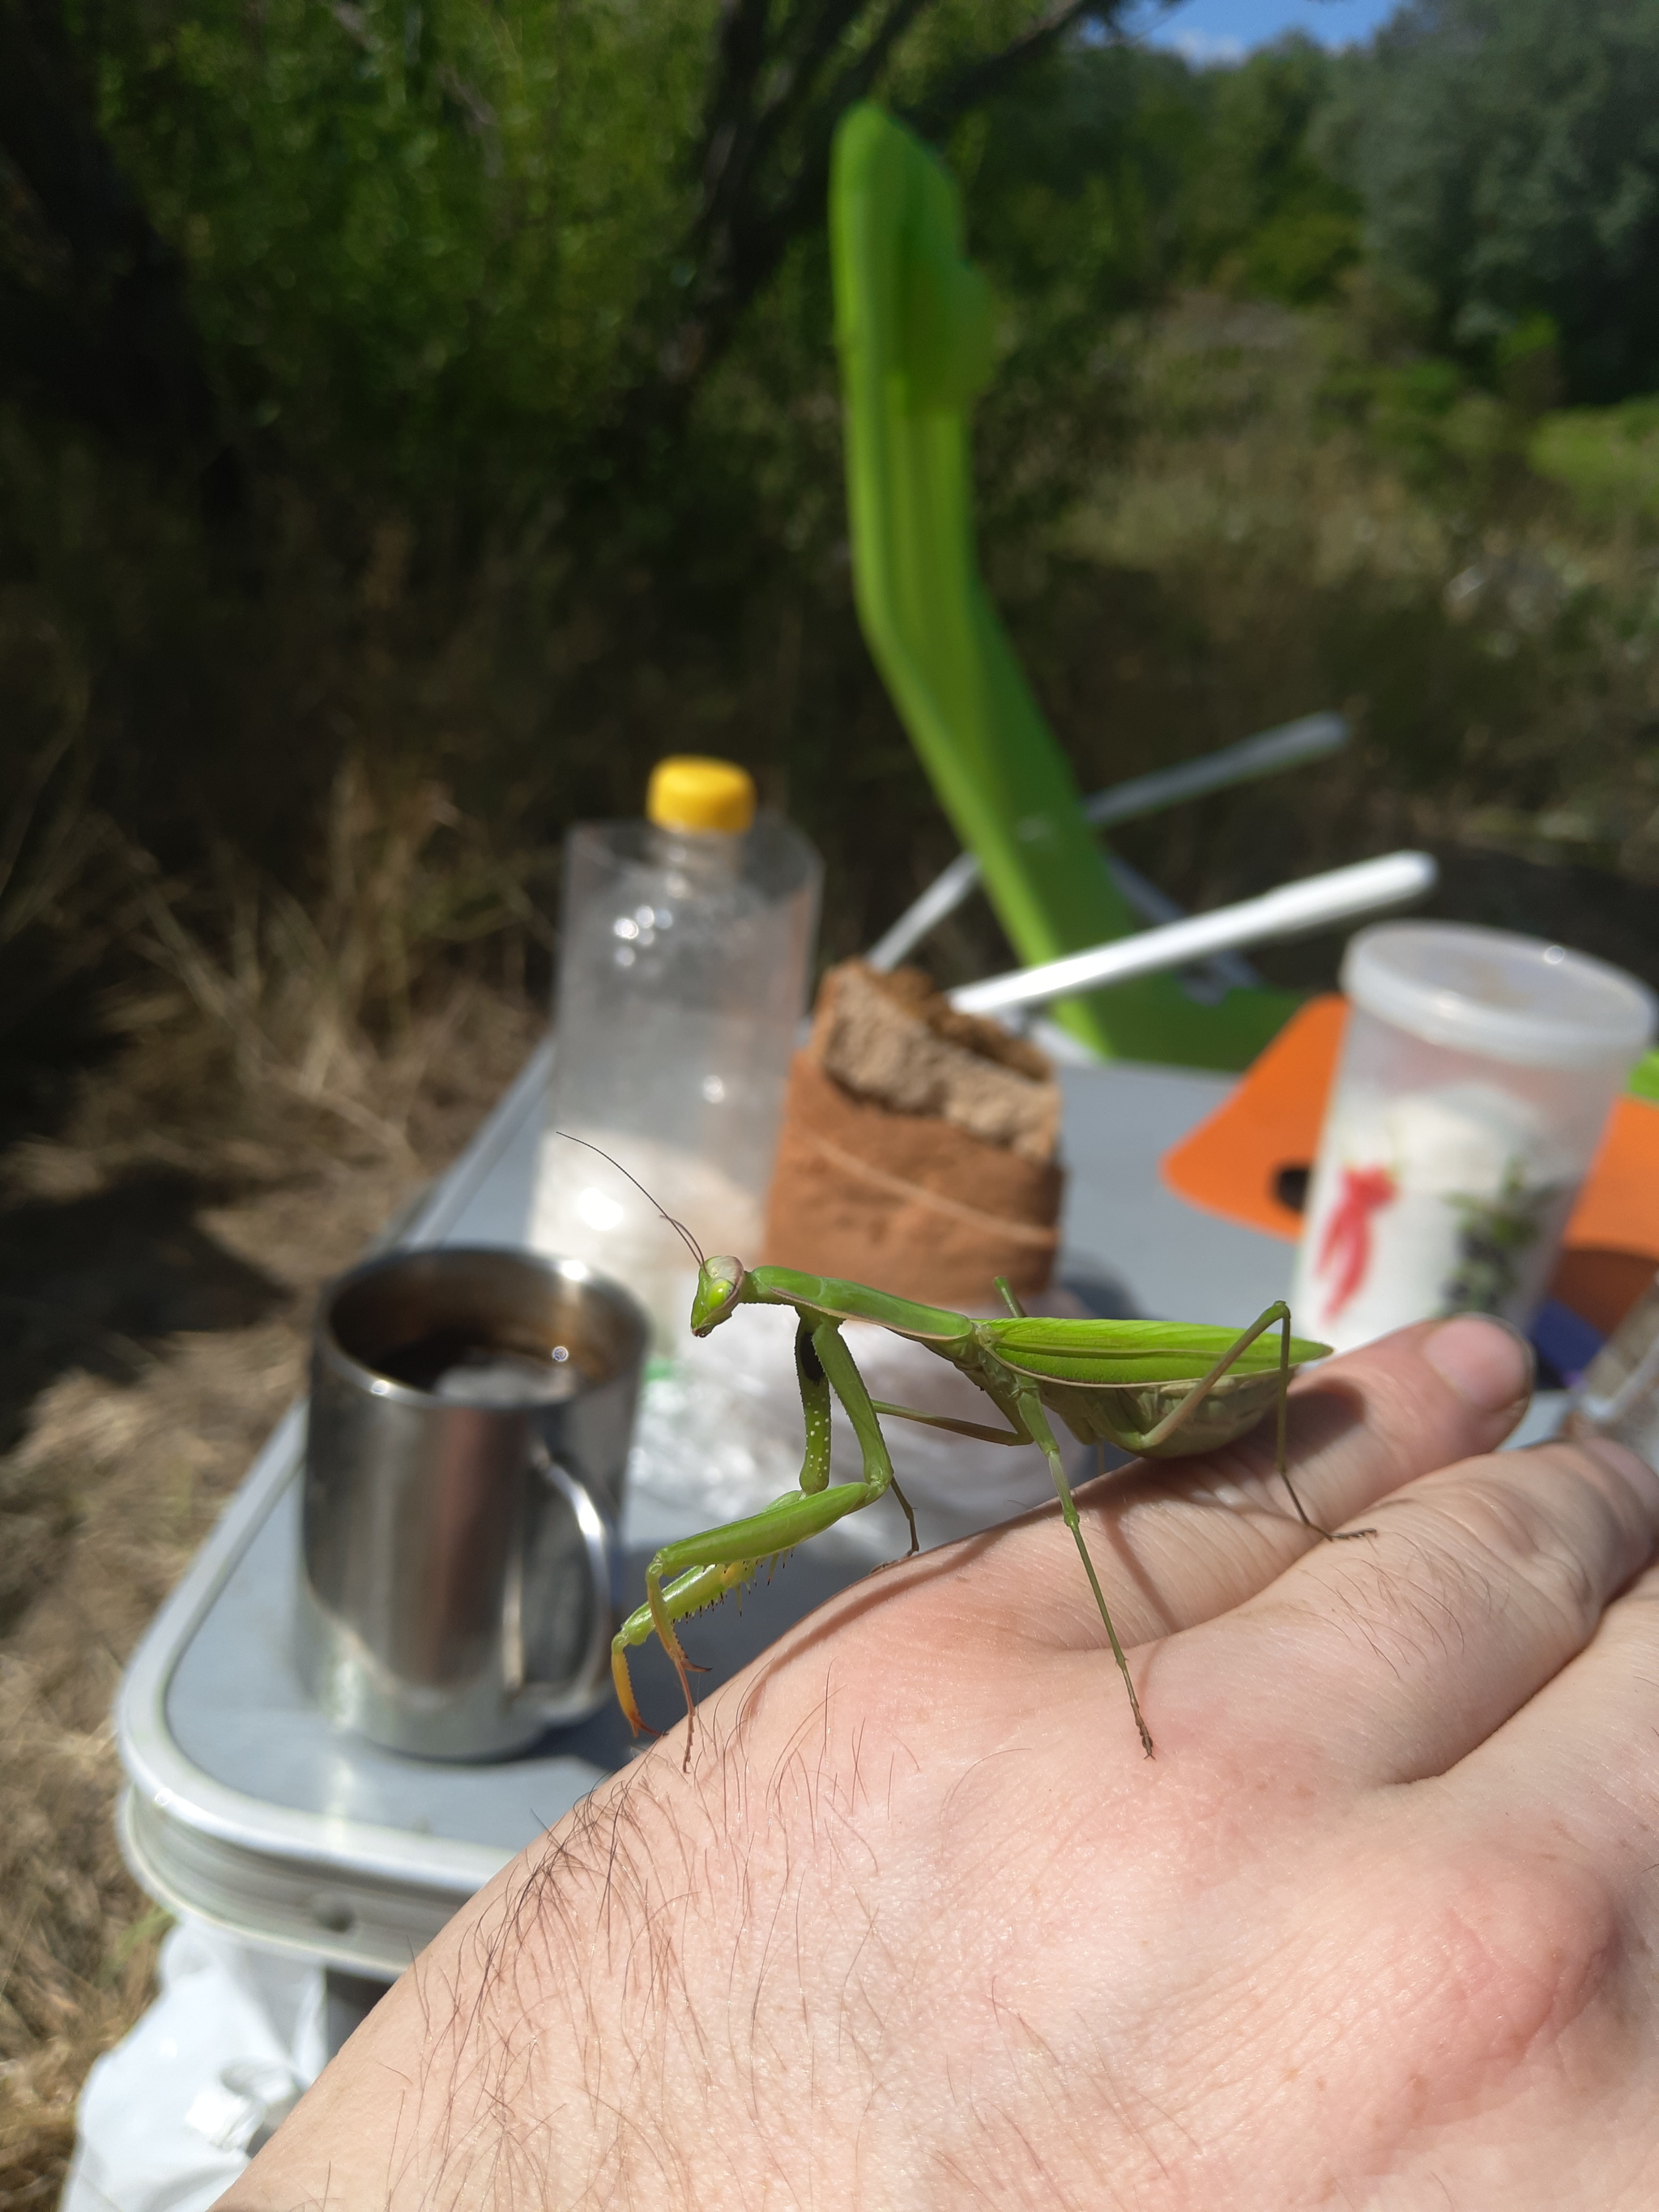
x,y
1487,1362
1628,1466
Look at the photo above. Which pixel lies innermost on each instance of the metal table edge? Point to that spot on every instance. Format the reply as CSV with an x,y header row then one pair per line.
x,y
156,1768
409,1917
180,1790
449,1196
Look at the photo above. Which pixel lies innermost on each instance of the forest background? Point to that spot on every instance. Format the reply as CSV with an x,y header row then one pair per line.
x,y
416,416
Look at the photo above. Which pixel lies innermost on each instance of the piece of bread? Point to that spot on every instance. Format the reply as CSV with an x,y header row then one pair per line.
x,y
895,1041
918,1147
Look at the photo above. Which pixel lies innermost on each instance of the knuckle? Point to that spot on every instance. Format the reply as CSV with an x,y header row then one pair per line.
x,y
1491,1548
1518,1538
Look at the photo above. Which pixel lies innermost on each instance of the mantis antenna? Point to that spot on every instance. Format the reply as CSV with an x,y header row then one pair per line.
x,y
679,1227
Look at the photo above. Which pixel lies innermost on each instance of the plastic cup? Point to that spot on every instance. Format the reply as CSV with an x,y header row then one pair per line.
x,y
1476,1078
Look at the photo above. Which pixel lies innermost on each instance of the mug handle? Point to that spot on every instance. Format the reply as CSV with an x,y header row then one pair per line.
x,y
574,1696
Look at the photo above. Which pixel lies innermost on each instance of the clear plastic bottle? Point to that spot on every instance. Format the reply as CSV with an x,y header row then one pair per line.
x,y
686,945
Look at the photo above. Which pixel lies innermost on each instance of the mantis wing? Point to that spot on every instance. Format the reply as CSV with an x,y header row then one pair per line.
x,y
1125,1382
1107,1354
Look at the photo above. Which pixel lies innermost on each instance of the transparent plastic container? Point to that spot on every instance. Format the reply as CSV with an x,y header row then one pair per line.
x,y
685,955
1620,1395
1477,1075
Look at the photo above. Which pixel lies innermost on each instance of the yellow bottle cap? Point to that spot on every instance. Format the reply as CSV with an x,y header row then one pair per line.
x,y
688,791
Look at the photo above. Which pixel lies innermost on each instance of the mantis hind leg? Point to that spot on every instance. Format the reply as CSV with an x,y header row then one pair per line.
x,y
1277,1315
1037,1423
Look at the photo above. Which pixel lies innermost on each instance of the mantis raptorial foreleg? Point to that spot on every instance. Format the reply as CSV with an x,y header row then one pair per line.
x,y
702,1569
848,1386
698,1571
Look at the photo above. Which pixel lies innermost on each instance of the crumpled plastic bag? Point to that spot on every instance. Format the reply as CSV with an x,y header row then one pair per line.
x,y
171,2117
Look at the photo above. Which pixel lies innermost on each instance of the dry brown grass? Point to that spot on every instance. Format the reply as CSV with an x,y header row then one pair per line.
x,y
161,1254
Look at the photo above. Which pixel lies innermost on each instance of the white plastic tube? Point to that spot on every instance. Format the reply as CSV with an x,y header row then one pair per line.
x,y
1292,910
1290,745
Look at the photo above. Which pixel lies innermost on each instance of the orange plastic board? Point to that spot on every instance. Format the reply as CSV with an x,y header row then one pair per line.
x,y
1618,1209
1229,1164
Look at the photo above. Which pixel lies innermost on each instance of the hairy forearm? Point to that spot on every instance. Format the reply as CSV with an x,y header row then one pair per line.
x,y
730,1987
640,2007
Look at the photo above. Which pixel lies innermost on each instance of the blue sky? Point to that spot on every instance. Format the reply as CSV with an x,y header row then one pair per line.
x,y
1225,30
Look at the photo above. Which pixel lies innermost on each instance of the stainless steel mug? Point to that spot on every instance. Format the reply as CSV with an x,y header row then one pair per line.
x,y
471,1414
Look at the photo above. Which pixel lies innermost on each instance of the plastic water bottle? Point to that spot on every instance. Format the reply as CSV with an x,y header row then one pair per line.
x,y
687,940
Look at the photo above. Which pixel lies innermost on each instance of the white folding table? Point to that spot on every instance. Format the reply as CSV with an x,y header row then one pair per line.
x,y
245,1808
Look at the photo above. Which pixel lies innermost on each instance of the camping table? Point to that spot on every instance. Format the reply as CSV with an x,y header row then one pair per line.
x,y
244,1806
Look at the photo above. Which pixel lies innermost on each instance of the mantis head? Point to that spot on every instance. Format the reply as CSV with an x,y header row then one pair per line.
x,y
719,1286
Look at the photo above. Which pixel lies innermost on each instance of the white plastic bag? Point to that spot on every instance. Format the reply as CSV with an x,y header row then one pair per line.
x,y
170,2118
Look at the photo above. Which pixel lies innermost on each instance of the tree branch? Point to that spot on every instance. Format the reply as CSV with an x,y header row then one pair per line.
x,y
767,92
741,248
985,79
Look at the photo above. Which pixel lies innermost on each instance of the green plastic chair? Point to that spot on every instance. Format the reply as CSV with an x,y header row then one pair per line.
x,y
913,325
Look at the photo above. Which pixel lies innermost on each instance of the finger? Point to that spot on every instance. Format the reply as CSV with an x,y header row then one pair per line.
x,y
1580,1753
1397,1659
1181,1541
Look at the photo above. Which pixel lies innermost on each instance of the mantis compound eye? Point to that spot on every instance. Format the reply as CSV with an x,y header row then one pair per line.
x,y
719,1283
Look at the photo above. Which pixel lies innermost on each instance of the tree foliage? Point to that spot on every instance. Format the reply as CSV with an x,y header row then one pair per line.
x,y
454,248
94,315
1262,215
434,401
1113,171
1508,155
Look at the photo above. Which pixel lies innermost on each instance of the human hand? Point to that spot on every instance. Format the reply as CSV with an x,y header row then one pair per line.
x,y
921,1925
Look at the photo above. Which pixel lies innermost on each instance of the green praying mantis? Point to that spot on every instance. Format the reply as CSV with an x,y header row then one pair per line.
x,y
1165,1390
